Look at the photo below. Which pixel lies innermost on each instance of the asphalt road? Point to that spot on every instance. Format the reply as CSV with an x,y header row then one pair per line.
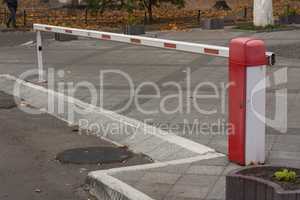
x,y
15,38
28,147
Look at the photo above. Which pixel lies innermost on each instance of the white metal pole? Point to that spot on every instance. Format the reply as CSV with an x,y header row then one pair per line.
x,y
39,48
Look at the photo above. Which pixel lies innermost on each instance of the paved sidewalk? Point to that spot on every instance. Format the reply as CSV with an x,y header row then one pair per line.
x,y
198,181
205,179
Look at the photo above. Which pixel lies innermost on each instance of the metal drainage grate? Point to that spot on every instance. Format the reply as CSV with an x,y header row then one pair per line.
x,y
94,155
6,101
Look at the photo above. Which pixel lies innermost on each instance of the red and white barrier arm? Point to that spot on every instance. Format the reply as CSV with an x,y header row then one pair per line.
x,y
247,71
146,41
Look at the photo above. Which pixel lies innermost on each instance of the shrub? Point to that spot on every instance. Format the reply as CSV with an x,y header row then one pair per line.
x,y
285,175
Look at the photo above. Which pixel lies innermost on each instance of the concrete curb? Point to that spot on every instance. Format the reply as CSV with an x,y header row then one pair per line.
x,y
105,186
163,147
140,137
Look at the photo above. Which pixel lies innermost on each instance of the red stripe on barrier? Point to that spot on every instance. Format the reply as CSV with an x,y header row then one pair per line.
x,y
136,41
170,45
106,37
211,51
48,28
68,31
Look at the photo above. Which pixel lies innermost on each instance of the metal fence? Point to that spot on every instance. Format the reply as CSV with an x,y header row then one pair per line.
x,y
27,17
115,18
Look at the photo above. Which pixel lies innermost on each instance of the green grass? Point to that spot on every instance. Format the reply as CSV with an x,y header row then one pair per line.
x,y
251,27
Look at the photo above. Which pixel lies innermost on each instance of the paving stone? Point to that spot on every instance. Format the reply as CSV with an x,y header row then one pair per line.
x,y
202,139
165,150
148,145
218,191
230,168
177,169
286,147
220,144
285,155
130,176
215,199
187,192
182,154
221,161
159,177
269,146
180,198
137,138
205,170
293,131
219,148
285,162
271,138
197,180
289,139
158,191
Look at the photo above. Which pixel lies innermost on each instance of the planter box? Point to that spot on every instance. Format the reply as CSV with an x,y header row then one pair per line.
x,y
294,19
284,20
229,20
246,187
134,29
212,24
64,37
297,20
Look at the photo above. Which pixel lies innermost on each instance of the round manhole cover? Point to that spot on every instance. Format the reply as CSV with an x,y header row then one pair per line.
x,y
94,155
6,101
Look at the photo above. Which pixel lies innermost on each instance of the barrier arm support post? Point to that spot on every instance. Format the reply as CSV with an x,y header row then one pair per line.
x,y
247,99
39,49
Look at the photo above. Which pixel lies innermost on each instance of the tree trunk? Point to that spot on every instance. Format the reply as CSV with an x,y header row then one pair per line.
x,y
150,13
263,13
